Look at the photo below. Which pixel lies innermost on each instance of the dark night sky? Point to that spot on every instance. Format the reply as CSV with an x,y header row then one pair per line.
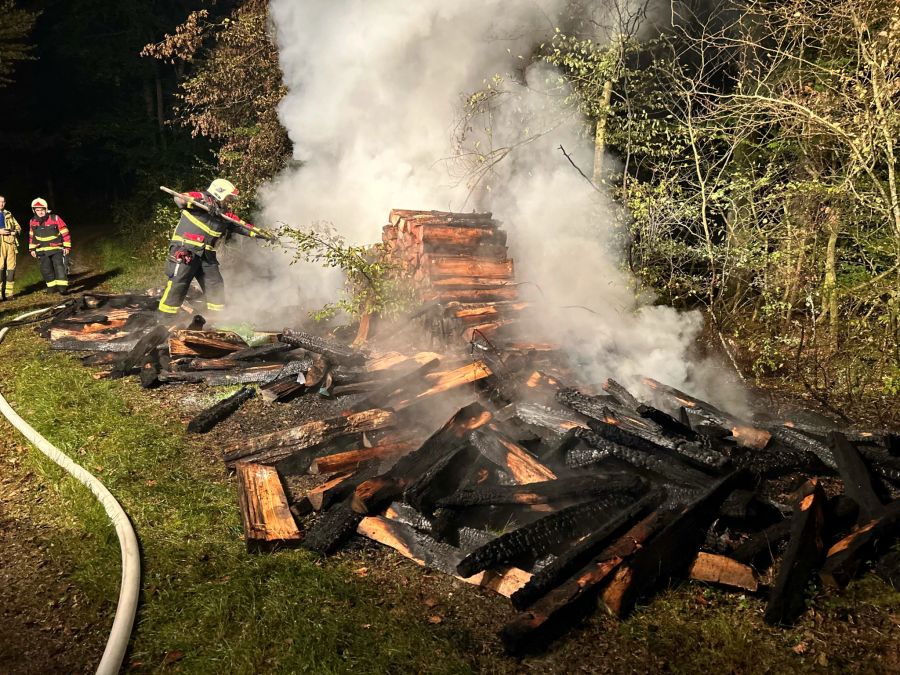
x,y
79,124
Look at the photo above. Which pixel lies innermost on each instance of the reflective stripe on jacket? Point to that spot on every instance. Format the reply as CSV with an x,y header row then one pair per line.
x,y
10,223
49,233
200,231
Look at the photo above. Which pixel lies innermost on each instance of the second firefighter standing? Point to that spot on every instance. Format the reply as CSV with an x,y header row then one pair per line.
x,y
9,247
49,241
192,253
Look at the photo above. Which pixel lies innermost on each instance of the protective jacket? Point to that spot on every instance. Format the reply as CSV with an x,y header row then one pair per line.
x,y
199,231
48,235
9,245
13,228
192,254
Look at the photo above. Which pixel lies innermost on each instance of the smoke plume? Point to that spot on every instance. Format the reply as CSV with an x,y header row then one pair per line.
x,y
376,94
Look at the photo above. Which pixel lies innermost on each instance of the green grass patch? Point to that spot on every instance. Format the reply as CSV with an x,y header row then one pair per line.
x,y
203,594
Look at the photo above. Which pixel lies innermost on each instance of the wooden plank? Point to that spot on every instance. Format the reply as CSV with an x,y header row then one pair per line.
x,y
428,552
466,266
265,514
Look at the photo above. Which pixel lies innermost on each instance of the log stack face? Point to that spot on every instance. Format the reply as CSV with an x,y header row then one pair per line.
x,y
459,260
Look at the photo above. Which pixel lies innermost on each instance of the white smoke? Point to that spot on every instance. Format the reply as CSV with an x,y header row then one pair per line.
x,y
374,98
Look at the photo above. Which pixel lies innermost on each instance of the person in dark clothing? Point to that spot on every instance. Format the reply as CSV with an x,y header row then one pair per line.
x,y
192,249
49,241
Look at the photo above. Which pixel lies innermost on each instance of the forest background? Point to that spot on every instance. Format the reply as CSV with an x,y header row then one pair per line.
x,y
749,147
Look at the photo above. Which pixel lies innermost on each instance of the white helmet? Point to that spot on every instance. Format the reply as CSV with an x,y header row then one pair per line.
x,y
222,189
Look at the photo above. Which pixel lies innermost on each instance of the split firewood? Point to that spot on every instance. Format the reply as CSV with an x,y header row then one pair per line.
x,y
539,537
333,351
586,549
204,343
760,550
267,520
787,599
351,459
382,396
465,266
574,599
150,341
846,558
667,555
283,388
315,499
275,446
440,479
259,353
440,382
510,456
495,293
429,552
316,372
332,529
717,569
374,494
210,417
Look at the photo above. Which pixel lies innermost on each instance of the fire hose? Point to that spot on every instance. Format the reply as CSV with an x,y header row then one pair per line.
x,y
129,588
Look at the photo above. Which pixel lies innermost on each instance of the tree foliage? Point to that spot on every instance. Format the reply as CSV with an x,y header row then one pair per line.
x,y
231,90
15,28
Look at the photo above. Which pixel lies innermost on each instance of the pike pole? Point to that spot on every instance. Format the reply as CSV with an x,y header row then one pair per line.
x,y
263,234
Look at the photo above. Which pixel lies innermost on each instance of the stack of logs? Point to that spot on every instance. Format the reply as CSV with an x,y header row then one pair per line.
x,y
458,261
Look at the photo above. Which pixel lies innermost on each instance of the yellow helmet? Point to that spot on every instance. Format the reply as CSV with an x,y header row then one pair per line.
x,y
221,189
40,201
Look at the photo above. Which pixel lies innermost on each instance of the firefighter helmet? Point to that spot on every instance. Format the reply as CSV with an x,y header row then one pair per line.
x,y
40,202
221,189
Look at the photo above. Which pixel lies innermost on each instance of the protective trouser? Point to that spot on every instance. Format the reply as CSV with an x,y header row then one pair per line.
x,y
54,270
7,269
181,274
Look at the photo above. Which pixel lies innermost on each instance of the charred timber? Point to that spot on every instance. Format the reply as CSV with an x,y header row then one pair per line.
x,y
802,558
382,396
210,417
580,488
253,374
275,446
571,601
540,536
510,456
668,555
847,557
333,351
572,560
282,388
332,529
856,476
376,493
439,480
803,443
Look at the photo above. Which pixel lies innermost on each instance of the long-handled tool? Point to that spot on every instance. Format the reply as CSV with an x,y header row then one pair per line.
x,y
263,234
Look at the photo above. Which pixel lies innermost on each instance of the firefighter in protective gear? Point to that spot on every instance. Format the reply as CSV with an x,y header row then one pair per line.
x,y
9,247
192,249
50,243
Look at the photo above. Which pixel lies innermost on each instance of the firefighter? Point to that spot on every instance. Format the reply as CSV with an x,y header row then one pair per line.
x,y
192,249
9,247
50,243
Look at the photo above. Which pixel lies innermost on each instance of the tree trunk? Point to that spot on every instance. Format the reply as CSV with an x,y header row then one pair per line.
x,y
831,291
600,134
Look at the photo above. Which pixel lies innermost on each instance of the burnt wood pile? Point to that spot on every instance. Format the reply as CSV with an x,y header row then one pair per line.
x,y
502,468
460,264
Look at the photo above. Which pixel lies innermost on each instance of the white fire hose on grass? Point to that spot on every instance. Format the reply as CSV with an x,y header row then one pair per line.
x,y
130,586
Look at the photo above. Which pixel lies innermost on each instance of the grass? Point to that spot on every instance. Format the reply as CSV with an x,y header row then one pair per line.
x,y
225,610
203,595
